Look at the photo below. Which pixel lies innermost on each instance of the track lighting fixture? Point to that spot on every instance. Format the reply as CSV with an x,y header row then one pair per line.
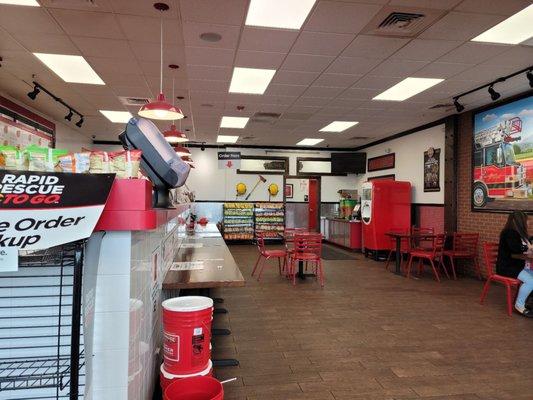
x,y
69,116
33,94
202,147
458,106
494,95
80,122
530,77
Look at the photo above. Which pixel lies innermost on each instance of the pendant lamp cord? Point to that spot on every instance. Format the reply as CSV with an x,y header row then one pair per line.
x,y
161,76
173,97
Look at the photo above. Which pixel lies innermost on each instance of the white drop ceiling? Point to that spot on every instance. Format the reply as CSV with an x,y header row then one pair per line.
x,y
329,70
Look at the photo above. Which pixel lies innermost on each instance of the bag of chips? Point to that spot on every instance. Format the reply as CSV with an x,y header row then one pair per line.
x,y
43,158
11,158
99,162
77,162
126,163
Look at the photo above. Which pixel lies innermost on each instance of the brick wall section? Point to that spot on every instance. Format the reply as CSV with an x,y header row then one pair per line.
x,y
488,225
431,217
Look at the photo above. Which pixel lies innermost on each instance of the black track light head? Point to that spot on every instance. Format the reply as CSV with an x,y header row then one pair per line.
x,y
458,106
80,122
69,116
494,95
33,94
202,147
530,77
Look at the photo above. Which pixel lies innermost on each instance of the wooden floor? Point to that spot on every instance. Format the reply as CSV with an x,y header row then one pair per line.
x,y
370,334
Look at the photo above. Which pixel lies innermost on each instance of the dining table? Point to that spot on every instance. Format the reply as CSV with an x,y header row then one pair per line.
x,y
411,237
301,274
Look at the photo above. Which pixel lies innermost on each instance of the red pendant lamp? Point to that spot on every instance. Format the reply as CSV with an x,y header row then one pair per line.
x,y
188,160
161,109
182,151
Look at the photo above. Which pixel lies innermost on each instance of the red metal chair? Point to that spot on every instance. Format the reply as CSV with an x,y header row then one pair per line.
x,y
435,254
265,255
464,247
490,252
288,236
405,248
308,249
421,243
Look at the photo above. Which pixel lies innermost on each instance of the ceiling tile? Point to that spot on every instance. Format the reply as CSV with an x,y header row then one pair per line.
x,y
376,82
359,94
425,49
485,73
336,80
473,53
436,4
352,65
230,12
36,20
399,68
460,26
322,91
285,90
322,44
148,30
442,70
99,6
260,39
110,65
214,86
141,8
304,62
294,77
258,59
86,23
7,42
507,7
193,30
374,46
110,48
516,56
48,43
311,101
148,52
209,56
209,72
337,17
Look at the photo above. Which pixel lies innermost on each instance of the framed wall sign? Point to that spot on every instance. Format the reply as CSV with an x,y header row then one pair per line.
x,y
390,177
502,157
289,190
432,170
380,163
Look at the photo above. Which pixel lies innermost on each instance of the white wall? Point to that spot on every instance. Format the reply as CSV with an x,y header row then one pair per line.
x,y
409,152
210,183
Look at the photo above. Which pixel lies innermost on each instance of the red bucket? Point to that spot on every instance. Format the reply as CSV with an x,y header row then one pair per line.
x,y
197,388
187,334
165,379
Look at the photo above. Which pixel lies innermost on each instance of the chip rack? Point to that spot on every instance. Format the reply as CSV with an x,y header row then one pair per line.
x,y
41,342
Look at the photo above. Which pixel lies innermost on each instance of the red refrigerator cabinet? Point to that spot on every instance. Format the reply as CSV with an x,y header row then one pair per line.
x,y
385,207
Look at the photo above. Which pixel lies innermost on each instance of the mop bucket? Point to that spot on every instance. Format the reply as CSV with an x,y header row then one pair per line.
x,y
187,334
165,379
196,388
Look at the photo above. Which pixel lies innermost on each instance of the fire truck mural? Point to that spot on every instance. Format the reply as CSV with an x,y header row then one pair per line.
x,y
503,158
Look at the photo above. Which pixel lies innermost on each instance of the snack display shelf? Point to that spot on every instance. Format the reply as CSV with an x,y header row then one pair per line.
x,y
270,220
238,221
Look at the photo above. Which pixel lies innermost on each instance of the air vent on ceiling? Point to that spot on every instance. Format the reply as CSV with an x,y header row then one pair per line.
x,y
265,117
134,101
401,21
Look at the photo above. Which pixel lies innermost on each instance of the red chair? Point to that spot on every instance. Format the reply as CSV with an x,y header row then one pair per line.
x,y
405,248
308,249
265,255
464,247
433,255
490,252
421,243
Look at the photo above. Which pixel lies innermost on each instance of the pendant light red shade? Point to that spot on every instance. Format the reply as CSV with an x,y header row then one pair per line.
x,y
175,136
182,151
160,109
188,160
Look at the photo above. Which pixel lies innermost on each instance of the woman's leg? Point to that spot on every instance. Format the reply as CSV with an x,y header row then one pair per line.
x,y
526,277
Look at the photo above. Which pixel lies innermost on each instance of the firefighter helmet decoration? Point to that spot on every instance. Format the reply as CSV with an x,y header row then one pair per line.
x,y
240,188
273,189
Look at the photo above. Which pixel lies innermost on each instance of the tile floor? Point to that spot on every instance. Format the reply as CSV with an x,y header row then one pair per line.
x,y
372,335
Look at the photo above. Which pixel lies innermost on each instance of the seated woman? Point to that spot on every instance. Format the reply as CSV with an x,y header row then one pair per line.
x,y
514,239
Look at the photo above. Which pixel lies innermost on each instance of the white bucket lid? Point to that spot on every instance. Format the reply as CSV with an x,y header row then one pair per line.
x,y
188,303
202,373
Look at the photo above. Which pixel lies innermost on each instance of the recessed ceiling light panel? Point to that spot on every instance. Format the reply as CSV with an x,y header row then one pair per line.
x,y
117,116
30,3
338,126
227,139
72,69
250,80
287,14
407,88
234,122
309,142
515,29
